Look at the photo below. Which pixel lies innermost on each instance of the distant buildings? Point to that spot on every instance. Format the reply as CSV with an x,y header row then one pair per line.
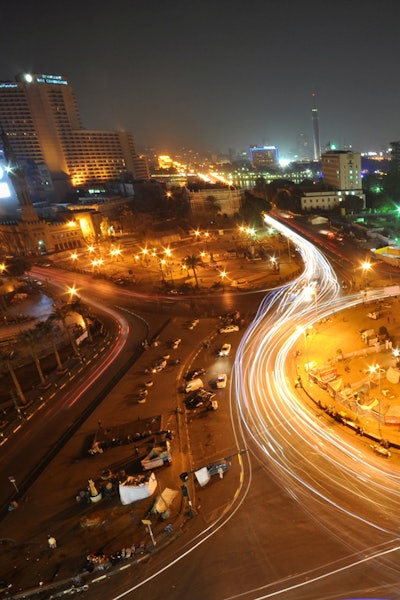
x,y
264,158
40,116
341,171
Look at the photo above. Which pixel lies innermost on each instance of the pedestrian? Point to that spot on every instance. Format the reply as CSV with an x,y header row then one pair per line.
x,y
51,540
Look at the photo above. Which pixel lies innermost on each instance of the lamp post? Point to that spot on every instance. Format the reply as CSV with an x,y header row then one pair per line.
x,y
377,369
223,275
366,266
11,479
162,263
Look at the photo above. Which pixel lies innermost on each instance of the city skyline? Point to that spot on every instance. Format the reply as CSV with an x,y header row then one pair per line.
x,y
218,76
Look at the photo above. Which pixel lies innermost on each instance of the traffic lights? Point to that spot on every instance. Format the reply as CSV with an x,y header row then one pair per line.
x,y
185,493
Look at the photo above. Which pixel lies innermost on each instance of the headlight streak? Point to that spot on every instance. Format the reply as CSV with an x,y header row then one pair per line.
x,y
283,428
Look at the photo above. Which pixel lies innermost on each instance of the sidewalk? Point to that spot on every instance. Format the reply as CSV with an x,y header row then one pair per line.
x,y
106,531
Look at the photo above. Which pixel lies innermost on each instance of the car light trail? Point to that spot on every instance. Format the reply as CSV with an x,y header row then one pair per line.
x,y
307,455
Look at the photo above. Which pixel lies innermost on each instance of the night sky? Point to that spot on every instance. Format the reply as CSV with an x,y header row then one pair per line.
x,y
218,74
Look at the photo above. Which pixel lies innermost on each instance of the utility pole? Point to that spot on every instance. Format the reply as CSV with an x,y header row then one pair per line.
x,y
185,493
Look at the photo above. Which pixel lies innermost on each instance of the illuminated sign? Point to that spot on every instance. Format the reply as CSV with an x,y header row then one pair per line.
x,y
8,85
53,79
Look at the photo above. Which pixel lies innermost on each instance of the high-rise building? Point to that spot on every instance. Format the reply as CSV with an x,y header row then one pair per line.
x,y
395,158
264,157
40,116
303,150
342,169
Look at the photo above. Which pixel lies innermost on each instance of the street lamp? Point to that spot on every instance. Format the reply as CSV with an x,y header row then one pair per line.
x,y
162,263
377,369
223,275
366,266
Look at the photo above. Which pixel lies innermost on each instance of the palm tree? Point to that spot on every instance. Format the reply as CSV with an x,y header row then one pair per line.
x,y
48,328
7,359
31,337
60,313
192,261
82,309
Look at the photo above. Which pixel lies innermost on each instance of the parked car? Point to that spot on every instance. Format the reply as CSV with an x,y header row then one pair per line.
x,y
221,380
205,394
193,385
201,399
159,366
219,467
176,343
194,373
228,329
224,350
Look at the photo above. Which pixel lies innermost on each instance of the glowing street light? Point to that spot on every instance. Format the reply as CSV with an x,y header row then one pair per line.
x,y
72,291
377,369
366,266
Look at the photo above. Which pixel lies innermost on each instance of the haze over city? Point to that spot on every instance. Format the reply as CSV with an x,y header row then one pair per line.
x,y
218,75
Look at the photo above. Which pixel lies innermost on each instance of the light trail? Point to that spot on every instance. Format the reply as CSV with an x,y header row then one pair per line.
x,y
307,455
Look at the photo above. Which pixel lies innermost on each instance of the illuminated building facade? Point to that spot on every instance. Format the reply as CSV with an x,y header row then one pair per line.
x,y
40,115
264,157
342,170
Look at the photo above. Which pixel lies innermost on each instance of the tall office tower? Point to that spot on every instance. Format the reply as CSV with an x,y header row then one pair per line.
x,y
342,170
40,116
17,177
303,147
395,158
264,157
315,124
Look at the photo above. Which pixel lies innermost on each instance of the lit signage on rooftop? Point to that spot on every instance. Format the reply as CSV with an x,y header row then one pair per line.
x,y
52,79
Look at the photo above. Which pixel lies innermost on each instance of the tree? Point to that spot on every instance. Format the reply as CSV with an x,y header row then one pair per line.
x,y
31,337
82,309
60,313
46,328
192,262
7,358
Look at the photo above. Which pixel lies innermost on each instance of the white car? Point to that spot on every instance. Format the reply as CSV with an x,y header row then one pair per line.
x,y
224,350
176,343
228,329
221,380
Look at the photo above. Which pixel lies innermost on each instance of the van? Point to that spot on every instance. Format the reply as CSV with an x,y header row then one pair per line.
x,y
193,385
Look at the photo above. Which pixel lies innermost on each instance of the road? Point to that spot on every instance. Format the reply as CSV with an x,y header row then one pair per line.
x,y
315,516
303,514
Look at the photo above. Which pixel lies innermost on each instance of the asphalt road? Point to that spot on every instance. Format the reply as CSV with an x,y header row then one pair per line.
x,y
260,533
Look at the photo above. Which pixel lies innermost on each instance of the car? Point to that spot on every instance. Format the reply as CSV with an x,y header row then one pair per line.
x,y
221,380
224,350
228,329
159,366
194,374
219,467
205,394
201,399
193,324
175,343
